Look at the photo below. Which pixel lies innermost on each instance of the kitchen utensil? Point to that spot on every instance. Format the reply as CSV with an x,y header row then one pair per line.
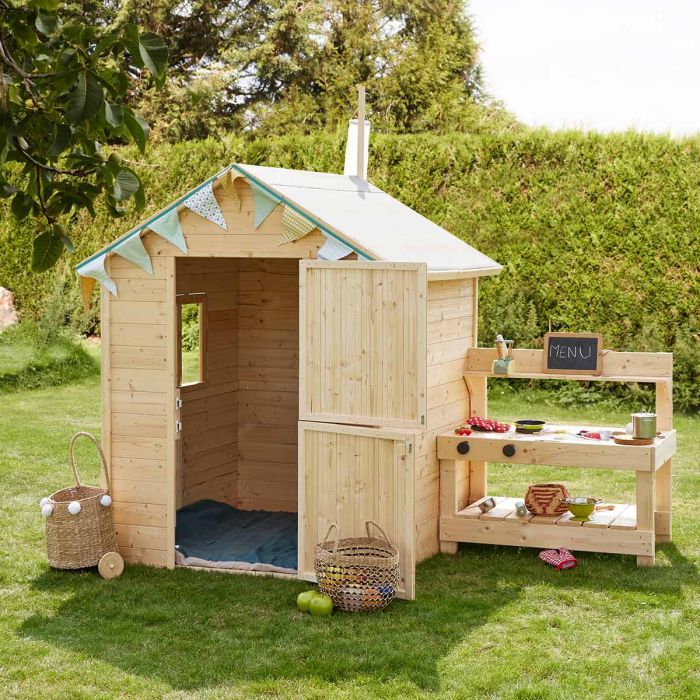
x,y
581,508
643,425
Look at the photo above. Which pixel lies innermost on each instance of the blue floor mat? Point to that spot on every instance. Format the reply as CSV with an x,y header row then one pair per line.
x,y
219,532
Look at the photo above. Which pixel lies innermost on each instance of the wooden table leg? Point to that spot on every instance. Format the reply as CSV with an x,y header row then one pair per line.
x,y
664,490
448,498
478,406
646,482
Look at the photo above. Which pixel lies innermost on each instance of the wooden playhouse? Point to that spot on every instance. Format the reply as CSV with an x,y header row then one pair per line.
x,y
334,327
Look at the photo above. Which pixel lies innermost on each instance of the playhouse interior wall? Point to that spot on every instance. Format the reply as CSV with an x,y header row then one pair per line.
x,y
239,426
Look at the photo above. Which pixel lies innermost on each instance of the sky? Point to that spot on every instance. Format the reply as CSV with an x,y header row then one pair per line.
x,y
606,65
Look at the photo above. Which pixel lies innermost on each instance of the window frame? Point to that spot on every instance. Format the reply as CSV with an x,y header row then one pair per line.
x,y
199,298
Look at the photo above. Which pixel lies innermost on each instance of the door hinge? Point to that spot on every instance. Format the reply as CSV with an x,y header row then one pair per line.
x,y
410,448
422,420
178,426
178,403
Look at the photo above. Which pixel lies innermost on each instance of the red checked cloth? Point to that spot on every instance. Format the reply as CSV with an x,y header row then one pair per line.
x,y
487,424
558,558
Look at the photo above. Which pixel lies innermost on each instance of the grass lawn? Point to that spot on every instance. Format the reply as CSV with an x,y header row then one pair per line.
x,y
489,623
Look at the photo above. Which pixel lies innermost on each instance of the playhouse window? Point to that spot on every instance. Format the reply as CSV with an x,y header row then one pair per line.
x,y
191,351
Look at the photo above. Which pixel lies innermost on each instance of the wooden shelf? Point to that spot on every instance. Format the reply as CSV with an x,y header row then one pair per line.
x,y
575,377
611,531
623,517
556,449
649,367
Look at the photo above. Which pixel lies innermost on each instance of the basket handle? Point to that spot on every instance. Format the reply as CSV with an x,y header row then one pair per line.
x,y
371,522
331,527
71,454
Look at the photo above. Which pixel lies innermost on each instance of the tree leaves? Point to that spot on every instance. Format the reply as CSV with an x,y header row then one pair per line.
x,y
63,96
154,54
125,185
137,128
86,99
47,249
114,114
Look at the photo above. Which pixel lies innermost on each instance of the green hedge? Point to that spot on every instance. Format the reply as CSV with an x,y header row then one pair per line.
x,y
596,233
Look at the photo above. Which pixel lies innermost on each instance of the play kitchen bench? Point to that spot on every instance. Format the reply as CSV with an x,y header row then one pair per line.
x,y
626,529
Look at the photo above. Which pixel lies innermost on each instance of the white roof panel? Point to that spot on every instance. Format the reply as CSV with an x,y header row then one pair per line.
x,y
379,224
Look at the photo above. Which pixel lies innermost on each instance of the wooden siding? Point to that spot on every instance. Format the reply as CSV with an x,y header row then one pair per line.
x,y
452,329
268,372
363,343
134,408
350,475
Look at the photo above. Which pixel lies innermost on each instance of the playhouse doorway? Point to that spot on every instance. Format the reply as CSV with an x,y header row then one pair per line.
x,y
238,404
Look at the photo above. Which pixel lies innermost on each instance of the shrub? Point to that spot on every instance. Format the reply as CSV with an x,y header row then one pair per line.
x,y
596,233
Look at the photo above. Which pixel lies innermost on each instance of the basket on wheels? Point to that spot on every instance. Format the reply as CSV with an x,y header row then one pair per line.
x,y
79,528
359,573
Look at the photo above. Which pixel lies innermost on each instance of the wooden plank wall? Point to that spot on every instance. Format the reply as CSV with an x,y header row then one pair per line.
x,y
209,438
268,370
452,329
354,474
134,404
364,327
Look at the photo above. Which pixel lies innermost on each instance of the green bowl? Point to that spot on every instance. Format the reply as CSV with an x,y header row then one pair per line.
x,y
581,511
529,426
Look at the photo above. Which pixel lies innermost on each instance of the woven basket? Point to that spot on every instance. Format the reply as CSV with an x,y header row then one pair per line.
x,y
547,499
78,541
359,573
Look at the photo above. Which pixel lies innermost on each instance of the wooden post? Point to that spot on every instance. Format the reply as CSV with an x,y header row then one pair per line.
x,y
360,131
663,519
478,406
448,498
646,500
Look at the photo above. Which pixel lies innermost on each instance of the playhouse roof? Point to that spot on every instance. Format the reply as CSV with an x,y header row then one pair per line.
x,y
360,215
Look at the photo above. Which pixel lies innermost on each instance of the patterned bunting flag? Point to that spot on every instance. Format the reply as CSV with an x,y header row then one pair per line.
x,y
203,202
96,270
295,226
333,249
168,226
228,183
265,202
132,249
87,284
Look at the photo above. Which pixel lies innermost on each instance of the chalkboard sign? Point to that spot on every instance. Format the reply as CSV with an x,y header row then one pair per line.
x,y
573,353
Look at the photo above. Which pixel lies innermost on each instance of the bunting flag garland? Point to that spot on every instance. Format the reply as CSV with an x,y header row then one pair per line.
x,y
228,183
295,226
168,226
95,269
265,202
87,284
333,249
203,202
132,249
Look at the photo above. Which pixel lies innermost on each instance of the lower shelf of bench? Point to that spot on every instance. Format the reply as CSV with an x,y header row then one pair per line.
x,y
612,531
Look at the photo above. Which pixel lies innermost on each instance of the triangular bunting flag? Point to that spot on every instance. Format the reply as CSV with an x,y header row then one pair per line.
x,y
87,284
132,249
203,202
96,270
168,226
265,202
228,183
333,249
295,226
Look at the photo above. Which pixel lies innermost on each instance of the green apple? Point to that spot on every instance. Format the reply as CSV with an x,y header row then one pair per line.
x,y
304,599
321,605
